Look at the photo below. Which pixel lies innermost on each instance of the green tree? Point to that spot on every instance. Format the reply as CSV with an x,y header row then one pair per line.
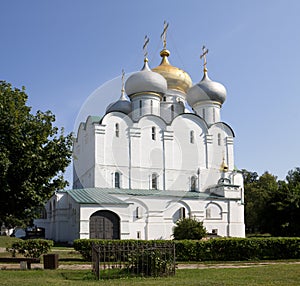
x,y
258,193
284,207
189,228
33,157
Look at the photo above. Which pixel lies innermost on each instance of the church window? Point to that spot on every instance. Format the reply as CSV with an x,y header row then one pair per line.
x,y
141,106
151,106
138,235
117,180
214,115
117,131
192,137
154,182
193,183
165,98
172,111
153,134
219,139
203,113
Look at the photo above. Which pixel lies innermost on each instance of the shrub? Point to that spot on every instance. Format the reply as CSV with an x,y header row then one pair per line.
x,y
189,228
33,248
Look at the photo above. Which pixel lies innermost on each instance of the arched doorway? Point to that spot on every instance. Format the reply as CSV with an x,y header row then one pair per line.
x,y
105,225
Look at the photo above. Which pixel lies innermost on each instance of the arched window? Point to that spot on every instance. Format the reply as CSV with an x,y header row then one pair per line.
x,y
153,133
117,180
117,131
219,139
192,137
193,183
203,113
154,182
213,211
172,111
164,98
151,106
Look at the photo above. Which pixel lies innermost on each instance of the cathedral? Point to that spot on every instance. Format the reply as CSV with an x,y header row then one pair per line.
x,y
160,153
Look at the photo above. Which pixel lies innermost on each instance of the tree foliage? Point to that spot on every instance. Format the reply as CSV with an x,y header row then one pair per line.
x,y
33,156
272,206
189,228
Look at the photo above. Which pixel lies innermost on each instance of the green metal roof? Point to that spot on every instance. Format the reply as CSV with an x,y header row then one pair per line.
x,y
94,196
159,193
107,195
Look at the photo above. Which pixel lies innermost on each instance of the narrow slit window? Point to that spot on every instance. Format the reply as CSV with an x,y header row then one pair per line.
x,y
153,133
137,212
151,106
117,130
117,180
192,137
219,139
172,111
154,181
182,213
141,107
193,183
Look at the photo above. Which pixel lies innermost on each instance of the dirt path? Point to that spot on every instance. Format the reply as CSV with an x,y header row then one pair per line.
x,y
6,266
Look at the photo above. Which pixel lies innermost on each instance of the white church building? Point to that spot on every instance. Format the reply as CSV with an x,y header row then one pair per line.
x,y
158,154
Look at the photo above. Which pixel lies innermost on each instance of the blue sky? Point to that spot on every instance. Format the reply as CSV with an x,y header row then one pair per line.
x,y
63,50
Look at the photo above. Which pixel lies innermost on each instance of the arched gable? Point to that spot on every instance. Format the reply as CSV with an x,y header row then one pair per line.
x,y
224,126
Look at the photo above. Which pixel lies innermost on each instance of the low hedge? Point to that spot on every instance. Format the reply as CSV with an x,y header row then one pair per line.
x,y
84,246
238,249
220,249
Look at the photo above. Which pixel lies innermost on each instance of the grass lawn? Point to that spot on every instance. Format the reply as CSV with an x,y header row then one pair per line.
x,y
281,274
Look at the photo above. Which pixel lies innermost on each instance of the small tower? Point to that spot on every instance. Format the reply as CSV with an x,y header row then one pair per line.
x,y
123,104
207,96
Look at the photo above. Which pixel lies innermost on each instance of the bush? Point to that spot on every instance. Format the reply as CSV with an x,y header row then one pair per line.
x,y
32,248
189,228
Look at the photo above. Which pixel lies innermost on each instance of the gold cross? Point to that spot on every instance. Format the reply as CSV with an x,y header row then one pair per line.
x,y
164,34
204,53
146,42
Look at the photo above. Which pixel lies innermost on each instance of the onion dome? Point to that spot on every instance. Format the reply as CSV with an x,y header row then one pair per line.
x,y
176,78
206,90
121,105
145,81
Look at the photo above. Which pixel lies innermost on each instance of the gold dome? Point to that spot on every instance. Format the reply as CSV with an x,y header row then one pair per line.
x,y
176,77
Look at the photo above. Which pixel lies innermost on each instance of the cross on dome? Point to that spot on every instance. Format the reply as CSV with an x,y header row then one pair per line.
x,y
123,83
164,34
203,55
146,42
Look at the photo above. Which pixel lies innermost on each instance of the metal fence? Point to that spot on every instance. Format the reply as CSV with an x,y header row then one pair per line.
x,y
117,260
